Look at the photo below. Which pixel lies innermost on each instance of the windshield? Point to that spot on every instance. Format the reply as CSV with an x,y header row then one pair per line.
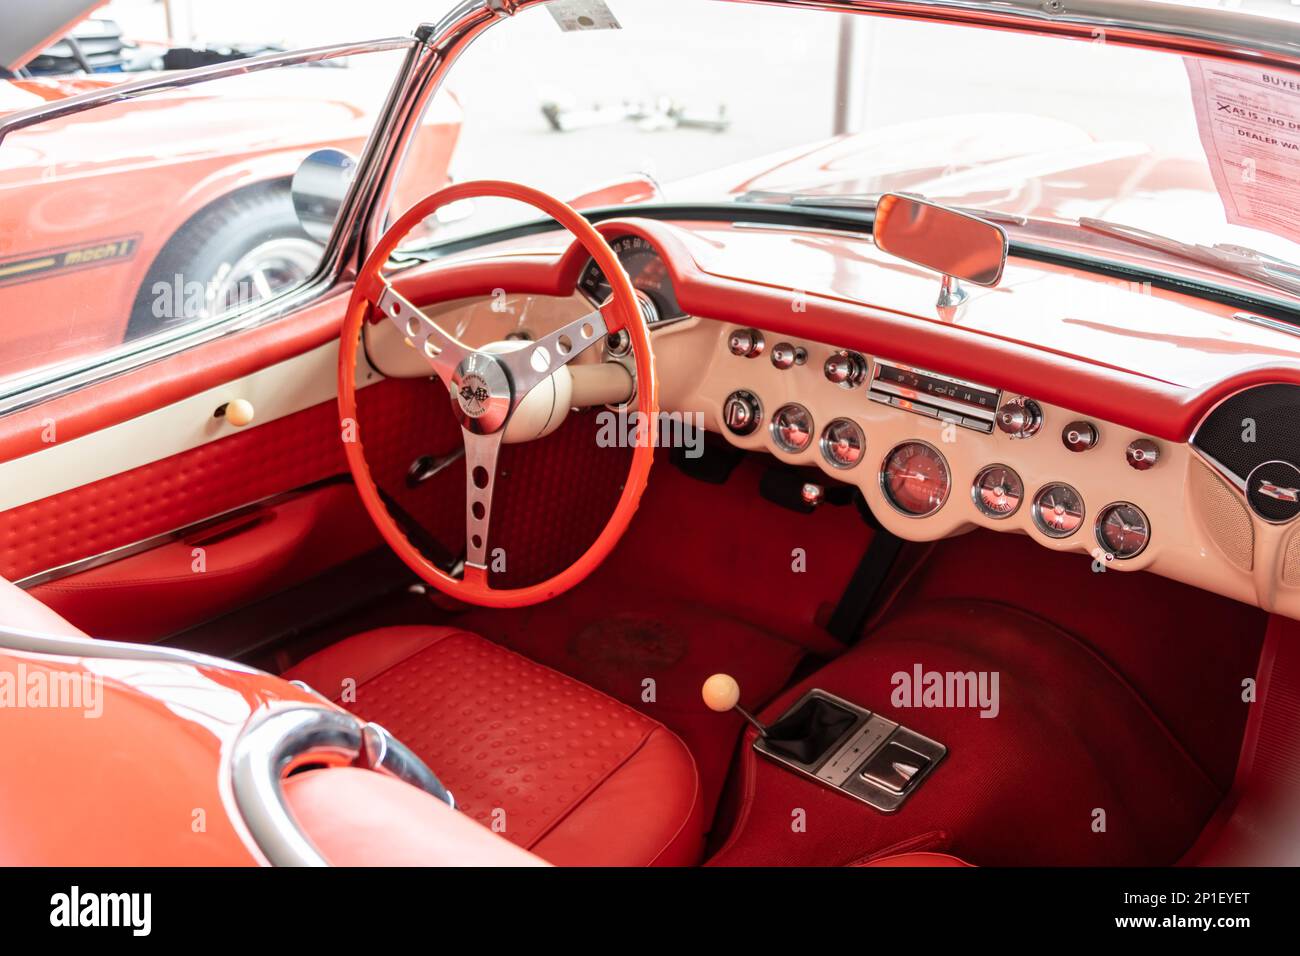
x,y
717,102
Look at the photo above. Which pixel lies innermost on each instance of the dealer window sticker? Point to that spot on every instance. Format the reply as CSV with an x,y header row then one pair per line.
x,y
1249,123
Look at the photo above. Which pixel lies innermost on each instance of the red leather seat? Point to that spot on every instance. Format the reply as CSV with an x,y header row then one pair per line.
x,y
545,761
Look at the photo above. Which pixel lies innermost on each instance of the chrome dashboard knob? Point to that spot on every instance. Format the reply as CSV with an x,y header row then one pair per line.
x,y
746,343
1142,453
1080,436
845,369
741,412
1020,418
785,355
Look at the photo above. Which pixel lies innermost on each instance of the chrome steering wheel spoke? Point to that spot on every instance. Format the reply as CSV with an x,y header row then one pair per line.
x,y
444,352
531,365
480,478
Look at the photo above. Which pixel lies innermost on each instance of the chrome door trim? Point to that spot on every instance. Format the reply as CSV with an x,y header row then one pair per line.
x,y
90,562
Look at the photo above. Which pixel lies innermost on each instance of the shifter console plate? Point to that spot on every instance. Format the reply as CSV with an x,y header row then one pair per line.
x,y
875,760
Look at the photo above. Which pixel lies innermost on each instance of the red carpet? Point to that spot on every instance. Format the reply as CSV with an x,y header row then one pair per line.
x,y
1022,788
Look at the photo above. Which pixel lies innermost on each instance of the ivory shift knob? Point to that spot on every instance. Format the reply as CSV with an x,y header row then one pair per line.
x,y
721,693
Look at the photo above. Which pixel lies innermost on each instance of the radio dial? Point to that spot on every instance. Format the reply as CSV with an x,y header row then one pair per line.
x,y
1142,453
1080,436
845,369
1020,418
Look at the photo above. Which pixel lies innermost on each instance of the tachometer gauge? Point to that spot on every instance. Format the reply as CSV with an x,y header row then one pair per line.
x,y
843,443
915,479
997,491
792,428
1123,530
1058,510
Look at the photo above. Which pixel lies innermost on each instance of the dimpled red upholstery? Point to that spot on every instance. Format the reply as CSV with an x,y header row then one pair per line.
x,y
550,763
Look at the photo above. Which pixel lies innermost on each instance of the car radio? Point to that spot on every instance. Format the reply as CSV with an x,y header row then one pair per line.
x,y
935,396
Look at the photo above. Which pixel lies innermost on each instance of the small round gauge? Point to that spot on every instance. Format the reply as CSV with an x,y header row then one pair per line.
x,y
1123,530
1058,510
997,491
647,270
792,428
915,479
843,443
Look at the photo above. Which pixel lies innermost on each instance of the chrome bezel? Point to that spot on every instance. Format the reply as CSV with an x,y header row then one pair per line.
x,y
979,503
884,486
775,433
1101,517
759,414
826,455
1035,510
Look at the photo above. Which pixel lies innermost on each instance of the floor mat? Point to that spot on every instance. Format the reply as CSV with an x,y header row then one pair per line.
x,y
1074,769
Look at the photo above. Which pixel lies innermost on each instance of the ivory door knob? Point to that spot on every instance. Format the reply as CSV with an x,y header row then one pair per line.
x,y
239,412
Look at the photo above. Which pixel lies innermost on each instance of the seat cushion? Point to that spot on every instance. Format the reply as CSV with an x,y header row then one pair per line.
x,y
549,763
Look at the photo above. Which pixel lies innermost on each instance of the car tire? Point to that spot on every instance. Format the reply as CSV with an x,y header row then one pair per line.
x,y
235,251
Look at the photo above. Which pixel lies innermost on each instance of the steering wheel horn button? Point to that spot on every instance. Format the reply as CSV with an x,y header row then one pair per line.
x,y
481,393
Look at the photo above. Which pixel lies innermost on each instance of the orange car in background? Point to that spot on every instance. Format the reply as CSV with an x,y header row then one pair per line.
x,y
186,216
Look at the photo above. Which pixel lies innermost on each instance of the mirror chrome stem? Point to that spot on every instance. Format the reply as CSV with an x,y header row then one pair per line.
x,y
951,298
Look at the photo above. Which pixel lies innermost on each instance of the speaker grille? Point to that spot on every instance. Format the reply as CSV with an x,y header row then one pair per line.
x,y
1223,515
1252,427
1291,564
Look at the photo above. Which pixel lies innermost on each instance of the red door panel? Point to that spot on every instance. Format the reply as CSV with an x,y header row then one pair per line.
x,y
184,582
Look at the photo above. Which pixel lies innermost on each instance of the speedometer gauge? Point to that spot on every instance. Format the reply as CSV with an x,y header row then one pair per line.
x,y
998,491
915,479
644,266
1123,530
1058,510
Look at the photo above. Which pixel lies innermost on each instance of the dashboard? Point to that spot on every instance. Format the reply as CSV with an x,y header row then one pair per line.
x,y
1095,418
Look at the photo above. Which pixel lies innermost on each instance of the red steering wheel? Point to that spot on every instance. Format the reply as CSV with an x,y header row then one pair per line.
x,y
486,387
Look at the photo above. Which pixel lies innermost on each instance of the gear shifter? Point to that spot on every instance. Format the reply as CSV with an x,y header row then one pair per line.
x,y
722,693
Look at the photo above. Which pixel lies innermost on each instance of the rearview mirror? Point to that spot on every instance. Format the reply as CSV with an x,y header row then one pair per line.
x,y
318,189
958,245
